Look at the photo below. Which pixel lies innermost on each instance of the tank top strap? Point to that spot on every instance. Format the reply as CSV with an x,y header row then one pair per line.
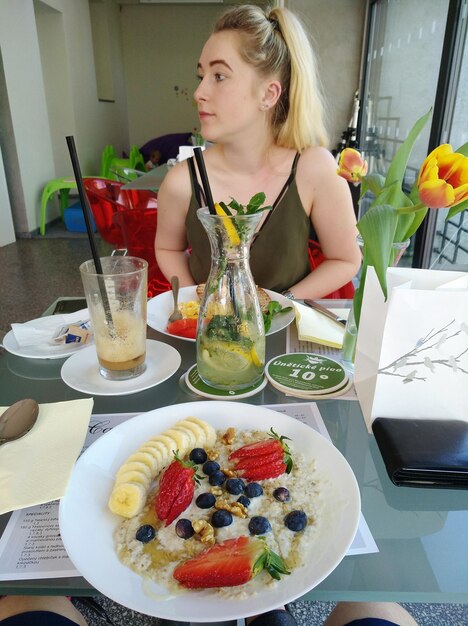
x,y
197,188
291,177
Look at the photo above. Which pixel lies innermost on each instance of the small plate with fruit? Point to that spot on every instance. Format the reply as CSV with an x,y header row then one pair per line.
x,y
209,511
160,307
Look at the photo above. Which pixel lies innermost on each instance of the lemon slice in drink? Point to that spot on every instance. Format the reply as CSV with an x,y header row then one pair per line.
x,y
229,226
228,357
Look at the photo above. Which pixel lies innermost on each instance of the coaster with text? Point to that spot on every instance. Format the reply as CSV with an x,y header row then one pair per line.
x,y
308,373
196,384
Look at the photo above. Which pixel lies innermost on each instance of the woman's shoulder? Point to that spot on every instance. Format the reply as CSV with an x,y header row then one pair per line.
x,y
177,180
318,158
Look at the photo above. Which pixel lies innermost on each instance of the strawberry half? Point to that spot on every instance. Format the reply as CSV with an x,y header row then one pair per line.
x,y
175,489
230,563
263,459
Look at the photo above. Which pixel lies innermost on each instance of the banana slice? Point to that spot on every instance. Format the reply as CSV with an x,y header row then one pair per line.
x,y
181,439
160,452
132,476
147,458
134,466
208,429
198,433
127,499
192,439
170,444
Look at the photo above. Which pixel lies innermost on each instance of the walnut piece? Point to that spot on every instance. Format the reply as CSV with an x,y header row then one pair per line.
x,y
228,436
236,508
204,530
212,455
216,491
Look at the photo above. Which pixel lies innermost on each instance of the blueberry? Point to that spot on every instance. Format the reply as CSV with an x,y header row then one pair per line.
x,y
198,455
217,478
235,486
296,521
221,518
253,490
205,501
184,529
282,494
209,467
145,533
259,525
243,500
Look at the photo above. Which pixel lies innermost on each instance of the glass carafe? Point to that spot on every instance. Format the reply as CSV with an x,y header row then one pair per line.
x,y
231,332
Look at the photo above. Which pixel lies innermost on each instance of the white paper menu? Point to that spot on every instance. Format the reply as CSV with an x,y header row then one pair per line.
x,y
31,547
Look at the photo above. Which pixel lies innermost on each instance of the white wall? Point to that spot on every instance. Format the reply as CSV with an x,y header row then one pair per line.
x,y
162,44
7,232
48,104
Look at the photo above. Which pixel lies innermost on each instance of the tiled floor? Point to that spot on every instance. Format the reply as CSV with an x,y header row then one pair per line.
x,y
33,274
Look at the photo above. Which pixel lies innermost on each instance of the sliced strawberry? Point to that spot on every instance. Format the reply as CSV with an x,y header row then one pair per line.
x,y
248,461
264,471
175,489
232,562
272,452
259,448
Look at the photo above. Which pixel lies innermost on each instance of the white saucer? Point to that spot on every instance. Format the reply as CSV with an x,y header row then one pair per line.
x,y
43,351
81,371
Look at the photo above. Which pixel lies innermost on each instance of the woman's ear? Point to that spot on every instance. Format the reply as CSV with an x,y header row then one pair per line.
x,y
271,94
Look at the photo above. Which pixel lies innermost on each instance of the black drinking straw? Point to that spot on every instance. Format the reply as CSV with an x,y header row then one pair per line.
x,y
89,227
197,151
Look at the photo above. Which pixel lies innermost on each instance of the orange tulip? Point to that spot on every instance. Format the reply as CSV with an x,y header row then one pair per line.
x,y
443,178
352,166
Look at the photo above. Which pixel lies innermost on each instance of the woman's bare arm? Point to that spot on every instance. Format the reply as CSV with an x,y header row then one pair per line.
x,y
332,216
171,239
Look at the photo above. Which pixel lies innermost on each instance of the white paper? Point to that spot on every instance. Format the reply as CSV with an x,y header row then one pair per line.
x,y
293,345
31,548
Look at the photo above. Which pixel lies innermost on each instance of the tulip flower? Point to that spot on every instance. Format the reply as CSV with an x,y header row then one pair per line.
x,y
352,166
443,178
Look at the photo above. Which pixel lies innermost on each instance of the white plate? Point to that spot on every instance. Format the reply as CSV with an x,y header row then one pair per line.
x,y
160,307
81,371
43,351
89,543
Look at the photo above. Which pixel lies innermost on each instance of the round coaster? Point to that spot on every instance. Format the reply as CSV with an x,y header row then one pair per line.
x,y
196,384
308,373
318,396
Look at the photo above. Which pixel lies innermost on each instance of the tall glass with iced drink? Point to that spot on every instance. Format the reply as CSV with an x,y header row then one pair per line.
x,y
117,306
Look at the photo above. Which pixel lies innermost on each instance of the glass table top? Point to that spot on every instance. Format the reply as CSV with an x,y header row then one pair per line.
x,y
421,533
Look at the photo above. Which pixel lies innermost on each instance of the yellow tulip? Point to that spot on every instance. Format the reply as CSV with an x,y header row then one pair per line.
x,y
351,165
443,178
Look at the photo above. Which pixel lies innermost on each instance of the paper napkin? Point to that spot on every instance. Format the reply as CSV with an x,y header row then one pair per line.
x,y
315,327
37,467
43,329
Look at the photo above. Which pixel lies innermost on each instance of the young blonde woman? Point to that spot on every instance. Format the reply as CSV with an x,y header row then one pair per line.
x,y
259,102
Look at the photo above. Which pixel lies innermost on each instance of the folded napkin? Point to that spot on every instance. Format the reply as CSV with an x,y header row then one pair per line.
x,y
316,327
43,329
37,467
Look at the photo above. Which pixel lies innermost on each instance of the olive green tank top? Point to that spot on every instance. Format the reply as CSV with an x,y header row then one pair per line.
x,y
279,253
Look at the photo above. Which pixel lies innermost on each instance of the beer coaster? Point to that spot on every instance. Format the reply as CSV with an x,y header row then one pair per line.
x,y
81,371
196,384
306,373
316,396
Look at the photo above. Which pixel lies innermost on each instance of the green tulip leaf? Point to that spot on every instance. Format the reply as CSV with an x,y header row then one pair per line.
x,y
417,218
373,183
458,208
377,228
398,166
463,149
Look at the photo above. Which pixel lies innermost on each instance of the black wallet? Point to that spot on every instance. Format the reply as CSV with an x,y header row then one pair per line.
x,y
424,452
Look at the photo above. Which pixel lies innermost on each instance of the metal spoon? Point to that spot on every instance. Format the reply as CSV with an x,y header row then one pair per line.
x,y
176,314
18,419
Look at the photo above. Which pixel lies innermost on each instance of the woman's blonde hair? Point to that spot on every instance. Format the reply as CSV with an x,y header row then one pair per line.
x,y
275,42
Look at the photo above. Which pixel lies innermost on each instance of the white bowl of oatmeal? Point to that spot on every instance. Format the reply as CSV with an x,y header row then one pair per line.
x,y
322,485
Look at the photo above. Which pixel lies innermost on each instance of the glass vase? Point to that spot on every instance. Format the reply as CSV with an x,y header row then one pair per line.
x,y
230,332
348,350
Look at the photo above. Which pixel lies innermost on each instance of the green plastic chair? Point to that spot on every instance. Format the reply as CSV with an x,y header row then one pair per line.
x,y
62,186
111,164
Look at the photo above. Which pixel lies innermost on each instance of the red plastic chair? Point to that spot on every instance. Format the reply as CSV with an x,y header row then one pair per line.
x,y
107,198
316,257
139,228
